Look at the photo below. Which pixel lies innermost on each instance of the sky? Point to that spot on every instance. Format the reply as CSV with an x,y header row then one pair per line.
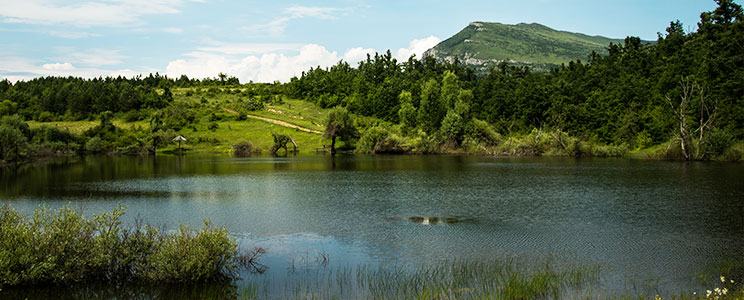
x,y
266,41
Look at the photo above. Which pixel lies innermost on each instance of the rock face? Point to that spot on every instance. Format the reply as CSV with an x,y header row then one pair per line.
x,y
483,45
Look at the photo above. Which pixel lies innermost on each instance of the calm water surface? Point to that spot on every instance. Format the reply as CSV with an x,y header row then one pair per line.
x,y
646,223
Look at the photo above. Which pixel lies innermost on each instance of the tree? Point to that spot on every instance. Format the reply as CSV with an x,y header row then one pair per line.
x,y
339,124
11,142
452,127
450,90
8,107
693,143
407,113
14,134
280,142
157,130
430,110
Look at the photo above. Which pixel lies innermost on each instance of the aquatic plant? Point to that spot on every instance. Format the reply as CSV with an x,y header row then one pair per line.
x,y
494,279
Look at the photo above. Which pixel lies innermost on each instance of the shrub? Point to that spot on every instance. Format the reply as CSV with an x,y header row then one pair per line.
x,y
482,132
720,141
215,117
732,154
95,145
280,142
452,127
253,104
371,138
243,149
63,246
132,116
213,126
45,116
377,140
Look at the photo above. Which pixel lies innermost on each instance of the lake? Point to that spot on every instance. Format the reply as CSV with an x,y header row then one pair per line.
x,y
652,227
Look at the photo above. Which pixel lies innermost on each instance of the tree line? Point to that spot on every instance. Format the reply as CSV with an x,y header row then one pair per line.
x,y
684,89
619,98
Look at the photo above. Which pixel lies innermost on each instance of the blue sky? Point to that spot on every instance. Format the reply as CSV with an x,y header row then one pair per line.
x,y
265,41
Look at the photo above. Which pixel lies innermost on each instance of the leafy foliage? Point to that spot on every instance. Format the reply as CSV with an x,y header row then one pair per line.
x,y
63,246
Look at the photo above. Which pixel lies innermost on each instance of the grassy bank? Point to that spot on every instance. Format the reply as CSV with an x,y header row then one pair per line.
x,y
65,247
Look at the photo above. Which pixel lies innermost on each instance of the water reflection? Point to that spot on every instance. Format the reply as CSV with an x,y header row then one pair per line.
x,y
639,219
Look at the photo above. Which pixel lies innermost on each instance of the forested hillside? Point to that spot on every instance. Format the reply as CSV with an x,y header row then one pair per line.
x,y
632,96
683,93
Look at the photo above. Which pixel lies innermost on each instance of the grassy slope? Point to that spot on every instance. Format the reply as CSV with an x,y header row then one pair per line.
x,y
258,132
531,43
230,131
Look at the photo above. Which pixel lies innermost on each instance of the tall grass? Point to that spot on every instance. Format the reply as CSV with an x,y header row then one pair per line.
x,y
65,247
444,280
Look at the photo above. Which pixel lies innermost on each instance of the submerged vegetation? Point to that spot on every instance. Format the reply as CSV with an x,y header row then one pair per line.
x,y
65,247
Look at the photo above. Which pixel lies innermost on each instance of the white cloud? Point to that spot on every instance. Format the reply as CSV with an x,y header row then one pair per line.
x,y
73,35
277,26
97,57
85,13
317,12
417,47
266,67
271,62
16,68
173,30
250,48
59,67
354,55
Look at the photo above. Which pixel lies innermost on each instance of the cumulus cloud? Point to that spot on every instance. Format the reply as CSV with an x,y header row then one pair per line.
x,y
85,13
58,67
267,67
417,47
354,55
272,62
18,68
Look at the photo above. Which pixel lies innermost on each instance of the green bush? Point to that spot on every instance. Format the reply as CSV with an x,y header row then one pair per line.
x,y
213,126
253,104
63,246
280,142
95,145
732,154
377,140
45,116
132,116
482,132
243,149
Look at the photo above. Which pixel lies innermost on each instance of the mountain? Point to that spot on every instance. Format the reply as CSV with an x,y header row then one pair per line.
x,y
483,45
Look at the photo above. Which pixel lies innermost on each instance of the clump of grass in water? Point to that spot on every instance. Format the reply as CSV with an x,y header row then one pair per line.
x,y
445,280
65,247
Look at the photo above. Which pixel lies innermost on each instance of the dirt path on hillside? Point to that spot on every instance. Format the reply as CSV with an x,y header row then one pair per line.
x,y
275,121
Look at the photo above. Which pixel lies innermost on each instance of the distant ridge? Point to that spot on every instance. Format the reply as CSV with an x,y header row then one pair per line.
x,y
483,45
